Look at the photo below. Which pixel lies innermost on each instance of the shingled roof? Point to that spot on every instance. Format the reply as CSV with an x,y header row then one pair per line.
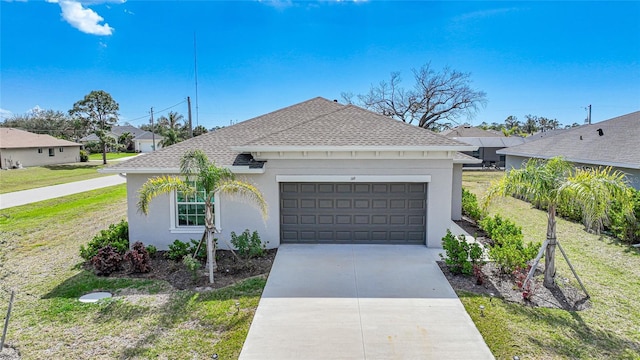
x,y
613,142
315,123
11,138
467,130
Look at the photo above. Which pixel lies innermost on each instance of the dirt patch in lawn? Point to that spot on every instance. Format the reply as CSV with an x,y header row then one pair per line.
x,y
563,296
230,270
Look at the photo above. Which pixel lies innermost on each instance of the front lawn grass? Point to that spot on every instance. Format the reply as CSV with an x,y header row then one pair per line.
x,y
39,258
39,176
610,329
111,156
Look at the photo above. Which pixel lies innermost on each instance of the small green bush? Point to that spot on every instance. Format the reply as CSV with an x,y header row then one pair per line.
x,y
461,256
508,249
470,206
84,156
498,229
193,265
152,250
116,236
513,254
625,228
248,244
202,252
177,250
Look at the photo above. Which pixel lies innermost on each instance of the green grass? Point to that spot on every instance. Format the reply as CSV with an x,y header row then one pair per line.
x,y
39,176
610,329
111,156
146,319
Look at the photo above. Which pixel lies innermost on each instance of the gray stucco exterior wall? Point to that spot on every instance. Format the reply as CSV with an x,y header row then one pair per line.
x,y
234,215
31,156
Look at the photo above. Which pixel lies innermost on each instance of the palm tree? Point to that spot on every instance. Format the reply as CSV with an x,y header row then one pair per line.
x,y
172,121
201,174
170,137
548,183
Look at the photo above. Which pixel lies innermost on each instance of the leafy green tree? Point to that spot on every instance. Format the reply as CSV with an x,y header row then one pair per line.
x,y
200,173
50,122
99,111
126,141
199,130
170,137
531,124
548,183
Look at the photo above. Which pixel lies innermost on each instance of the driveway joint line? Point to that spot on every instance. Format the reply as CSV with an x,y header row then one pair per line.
x,y
355,278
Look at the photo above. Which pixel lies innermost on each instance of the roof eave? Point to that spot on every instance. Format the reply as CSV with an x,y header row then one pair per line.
x,y
574,160
267,148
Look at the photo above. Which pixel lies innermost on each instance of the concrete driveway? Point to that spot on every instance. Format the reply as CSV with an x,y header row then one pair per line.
x,y
360,302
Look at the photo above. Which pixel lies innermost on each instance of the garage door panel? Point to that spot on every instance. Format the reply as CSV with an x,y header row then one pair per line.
x,y
353,213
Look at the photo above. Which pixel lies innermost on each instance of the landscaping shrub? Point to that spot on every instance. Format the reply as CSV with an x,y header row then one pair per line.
x,y
248,244
461,256
116,236
508,249
84,156
93,147
470,206
106,261
625,228
498,228
202,252
193,265
152,250
138,258
177,250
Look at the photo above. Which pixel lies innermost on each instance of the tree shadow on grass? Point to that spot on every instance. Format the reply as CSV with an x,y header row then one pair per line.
x,y
182,306
579,339
85,282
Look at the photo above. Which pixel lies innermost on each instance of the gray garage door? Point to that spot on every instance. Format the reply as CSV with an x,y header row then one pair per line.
x,y
365,213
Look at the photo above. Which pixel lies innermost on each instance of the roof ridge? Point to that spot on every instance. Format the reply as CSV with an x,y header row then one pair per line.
x,y
299,123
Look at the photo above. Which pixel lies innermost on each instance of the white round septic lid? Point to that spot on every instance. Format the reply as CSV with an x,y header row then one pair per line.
x,y
94,296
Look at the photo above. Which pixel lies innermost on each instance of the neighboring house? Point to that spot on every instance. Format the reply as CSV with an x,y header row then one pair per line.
x,y
142,140
19,148
614,142
487,142
330,173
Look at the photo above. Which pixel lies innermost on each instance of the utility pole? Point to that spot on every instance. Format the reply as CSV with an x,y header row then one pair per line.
x,y
153,133
589,114
190,123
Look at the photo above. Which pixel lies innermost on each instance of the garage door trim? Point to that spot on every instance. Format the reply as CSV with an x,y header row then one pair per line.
x,y
354,178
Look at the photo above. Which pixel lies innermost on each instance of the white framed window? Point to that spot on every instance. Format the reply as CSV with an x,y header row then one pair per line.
x,y
190,209
39,150
61,149
188,212
52,152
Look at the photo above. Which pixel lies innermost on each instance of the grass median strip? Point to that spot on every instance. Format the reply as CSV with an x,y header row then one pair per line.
x,y
145,319
609,270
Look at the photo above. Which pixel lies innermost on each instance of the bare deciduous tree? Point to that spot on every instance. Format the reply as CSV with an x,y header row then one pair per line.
x,y
436,97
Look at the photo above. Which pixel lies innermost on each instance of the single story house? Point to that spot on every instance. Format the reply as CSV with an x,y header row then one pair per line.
x,y
487,142
19,148
614,142
143,141
330,173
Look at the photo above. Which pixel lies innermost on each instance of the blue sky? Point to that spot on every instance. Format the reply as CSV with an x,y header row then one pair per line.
x,y
542,58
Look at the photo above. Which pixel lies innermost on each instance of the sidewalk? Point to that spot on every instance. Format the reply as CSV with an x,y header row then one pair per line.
x,y
50,192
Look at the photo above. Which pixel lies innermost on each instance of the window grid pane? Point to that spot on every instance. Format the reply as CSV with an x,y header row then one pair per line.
x,y
190,209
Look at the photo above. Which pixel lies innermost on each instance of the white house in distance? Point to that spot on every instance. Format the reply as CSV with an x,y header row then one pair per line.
x,y
330,173
19,148
614,142
143,141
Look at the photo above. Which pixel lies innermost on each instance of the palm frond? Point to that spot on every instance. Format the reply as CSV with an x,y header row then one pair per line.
x,y
160,185
192,163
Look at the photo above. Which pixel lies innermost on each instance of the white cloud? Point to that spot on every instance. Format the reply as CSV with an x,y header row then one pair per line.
x,y
34,110
5,114
82,18
484,14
